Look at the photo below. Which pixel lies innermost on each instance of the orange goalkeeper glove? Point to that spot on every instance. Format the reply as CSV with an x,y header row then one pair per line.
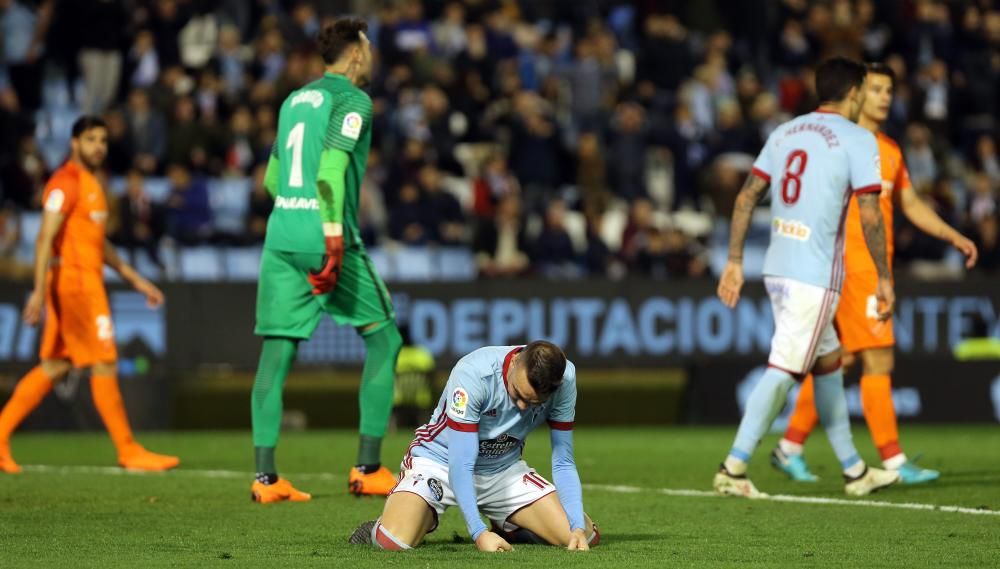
x,y
325,279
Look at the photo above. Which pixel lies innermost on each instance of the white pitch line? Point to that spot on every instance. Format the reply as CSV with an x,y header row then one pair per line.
x,y
618,489
687,493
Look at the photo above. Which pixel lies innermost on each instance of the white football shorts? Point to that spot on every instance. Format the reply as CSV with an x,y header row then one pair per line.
x,y
803,323
499,495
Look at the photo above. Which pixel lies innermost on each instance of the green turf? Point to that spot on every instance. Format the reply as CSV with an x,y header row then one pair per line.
x,y
185,519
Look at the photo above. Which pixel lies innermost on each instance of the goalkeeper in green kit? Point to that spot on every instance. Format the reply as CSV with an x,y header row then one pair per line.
x,y
314,262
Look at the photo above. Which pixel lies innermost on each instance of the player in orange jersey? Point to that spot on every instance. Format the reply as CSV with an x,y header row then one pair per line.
x,y
70,253
861,333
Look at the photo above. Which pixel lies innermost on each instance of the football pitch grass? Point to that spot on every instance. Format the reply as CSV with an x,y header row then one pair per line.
x,y
71,508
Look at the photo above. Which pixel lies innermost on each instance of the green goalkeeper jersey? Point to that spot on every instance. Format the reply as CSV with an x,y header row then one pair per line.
x,y
327,113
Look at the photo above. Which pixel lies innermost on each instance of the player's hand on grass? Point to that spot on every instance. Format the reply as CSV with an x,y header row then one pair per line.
x,y
491,542
730,284
154,296
886,297
33,309
967,248
325,279
578,541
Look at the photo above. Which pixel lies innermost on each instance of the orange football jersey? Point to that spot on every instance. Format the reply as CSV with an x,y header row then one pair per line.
x,y
78,250
895,178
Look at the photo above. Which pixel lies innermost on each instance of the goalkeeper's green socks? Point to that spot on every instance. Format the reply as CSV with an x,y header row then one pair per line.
x,y
276,358
377,381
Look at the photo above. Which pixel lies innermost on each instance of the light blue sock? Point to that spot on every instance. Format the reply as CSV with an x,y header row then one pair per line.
x,y
831,404
766,400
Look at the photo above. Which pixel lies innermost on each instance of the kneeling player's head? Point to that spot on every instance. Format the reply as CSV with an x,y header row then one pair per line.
x,y
89,143
839,79
345,47
536,374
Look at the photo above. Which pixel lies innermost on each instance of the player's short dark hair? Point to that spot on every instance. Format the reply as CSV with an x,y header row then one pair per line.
x,y
882,69
334,38
87,122
836,76
545,364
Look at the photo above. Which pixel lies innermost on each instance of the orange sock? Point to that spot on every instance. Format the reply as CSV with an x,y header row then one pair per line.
x,y
108,400
876,402
805,417
28,394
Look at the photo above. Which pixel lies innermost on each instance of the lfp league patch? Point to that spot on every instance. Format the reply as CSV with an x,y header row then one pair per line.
x,y
458,401
352,126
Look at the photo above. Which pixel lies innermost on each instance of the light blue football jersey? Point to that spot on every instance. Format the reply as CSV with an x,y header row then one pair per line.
x,y
815,163
476,395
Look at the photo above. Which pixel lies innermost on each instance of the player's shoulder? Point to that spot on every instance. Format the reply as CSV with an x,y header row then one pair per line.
x,y
65,177
887,144
569,376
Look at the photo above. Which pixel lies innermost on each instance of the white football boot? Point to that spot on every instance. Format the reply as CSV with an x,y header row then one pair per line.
x,y
871,480
732,485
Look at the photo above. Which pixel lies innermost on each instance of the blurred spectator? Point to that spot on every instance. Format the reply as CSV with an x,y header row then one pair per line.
x,y
410,222
494,182
232,59
166,24
23,26
147,132
931,98
143,64
448,225
919,156
687,144
668,254
102,35
986,158
591,169
983,198
188,138
120,149
189,213
260,206
500,243
666,54
449,32
240,154
986,235
536,154
640,222
24,176
10,235
142,222
552,251
627,151
598,258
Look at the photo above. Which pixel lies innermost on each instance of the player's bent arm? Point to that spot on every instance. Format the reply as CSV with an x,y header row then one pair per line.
x,y
463,447
331,189
114,261
271,175
873,227
928,221
748,198
52,222
566,477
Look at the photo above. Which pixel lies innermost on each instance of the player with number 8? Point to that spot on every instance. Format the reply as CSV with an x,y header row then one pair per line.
x,y
314,261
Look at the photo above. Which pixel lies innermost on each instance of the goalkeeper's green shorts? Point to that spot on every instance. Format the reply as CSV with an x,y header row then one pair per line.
x,y
287,307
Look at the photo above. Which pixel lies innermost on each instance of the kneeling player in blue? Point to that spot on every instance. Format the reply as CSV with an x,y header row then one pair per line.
x,y
469,455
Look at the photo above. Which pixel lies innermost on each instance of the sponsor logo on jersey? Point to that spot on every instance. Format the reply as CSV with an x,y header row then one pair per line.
x,y
296,203
352,126
459,401
55,201
490,413
311,96
98,216
436,489
790,228
494,448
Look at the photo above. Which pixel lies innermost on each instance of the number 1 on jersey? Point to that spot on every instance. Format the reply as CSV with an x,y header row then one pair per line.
x,y
295,138
791,183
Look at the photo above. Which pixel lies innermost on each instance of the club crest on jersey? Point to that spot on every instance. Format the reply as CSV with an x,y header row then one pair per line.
x,y
311,97
436,489
459,401
352,126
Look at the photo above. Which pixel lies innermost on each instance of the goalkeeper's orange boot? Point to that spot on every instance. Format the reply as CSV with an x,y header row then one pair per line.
x,y
280,491
7,463
378,483
138,458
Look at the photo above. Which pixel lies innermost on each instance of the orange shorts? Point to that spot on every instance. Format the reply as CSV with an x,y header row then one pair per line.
x,y
78,327
857,316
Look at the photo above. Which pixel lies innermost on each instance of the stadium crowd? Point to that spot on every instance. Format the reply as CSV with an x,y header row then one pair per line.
x,y
553,137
